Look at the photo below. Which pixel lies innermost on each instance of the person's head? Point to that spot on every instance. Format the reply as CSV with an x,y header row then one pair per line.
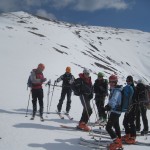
x,y
100,75
40,67
140,81
113,79
86,72
129,79
68,70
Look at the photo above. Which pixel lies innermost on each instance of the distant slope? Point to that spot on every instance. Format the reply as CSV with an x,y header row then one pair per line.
x,y
103,49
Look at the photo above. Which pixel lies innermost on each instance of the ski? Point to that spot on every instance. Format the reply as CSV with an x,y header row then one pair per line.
x,y
99,135
32,118
92,146
101,124
72,128
106,142
69,117
42,119
103,143
60,115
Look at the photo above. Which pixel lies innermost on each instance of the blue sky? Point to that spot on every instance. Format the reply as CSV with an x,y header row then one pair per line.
x,y
130,14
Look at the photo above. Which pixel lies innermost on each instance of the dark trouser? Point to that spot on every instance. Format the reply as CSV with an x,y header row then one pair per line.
x,y
142,110
37,94
113,121
68,91
129,124
100,101
87,110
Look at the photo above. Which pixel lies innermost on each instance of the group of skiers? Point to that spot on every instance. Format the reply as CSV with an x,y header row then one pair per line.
x,y
129,99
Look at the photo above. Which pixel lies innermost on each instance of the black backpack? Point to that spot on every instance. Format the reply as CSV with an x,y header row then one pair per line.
x,y
76,86
29,83
147,93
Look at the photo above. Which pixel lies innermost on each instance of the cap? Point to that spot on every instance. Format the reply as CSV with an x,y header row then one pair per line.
x,y
68,69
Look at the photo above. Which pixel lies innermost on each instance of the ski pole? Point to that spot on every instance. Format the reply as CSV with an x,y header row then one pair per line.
x,y
52,96
48,93
86,109
95,110
28,104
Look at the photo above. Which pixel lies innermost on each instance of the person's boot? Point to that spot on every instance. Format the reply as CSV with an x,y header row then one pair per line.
x,y
131,140
126,136
117,144
83,126
144,132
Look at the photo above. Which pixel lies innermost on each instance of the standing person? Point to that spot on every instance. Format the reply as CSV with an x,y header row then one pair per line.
x,y
129,117
101,91
141,99
85,97
114,106
37,79
67,79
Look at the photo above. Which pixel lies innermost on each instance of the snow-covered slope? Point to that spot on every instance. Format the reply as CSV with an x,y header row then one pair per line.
x,y
26,41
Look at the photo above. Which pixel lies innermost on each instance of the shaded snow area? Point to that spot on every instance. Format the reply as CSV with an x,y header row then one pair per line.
x,y
26,41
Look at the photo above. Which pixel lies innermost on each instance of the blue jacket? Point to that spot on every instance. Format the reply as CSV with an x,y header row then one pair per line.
x,y
115,99
127,97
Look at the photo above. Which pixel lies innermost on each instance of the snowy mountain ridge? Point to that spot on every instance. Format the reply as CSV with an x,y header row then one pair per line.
x,y
104,49
26,41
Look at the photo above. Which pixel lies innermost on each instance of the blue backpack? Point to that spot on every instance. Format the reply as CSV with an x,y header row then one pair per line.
x,y
127,94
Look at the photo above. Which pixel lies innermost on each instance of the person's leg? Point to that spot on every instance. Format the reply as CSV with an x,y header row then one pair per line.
x,y
34,101
40,98
138,124
113,118
144,117
63,93
68,105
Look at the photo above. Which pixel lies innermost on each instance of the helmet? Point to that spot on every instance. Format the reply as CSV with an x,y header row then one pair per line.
x,y
113,78
86,71
129,78
41,66
140,81
100,74
68,69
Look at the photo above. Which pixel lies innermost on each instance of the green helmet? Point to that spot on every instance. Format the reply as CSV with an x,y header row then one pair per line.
x,y
100,74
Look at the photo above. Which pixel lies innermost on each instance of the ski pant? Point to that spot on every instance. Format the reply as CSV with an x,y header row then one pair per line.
x,y
142,111
37,94
129,123
113,121
68,91
100,101
87,110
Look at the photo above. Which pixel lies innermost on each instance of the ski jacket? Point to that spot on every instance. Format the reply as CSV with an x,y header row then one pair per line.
x,y
86,85
101,88
115,99
140,92
127,97
36,79
67,79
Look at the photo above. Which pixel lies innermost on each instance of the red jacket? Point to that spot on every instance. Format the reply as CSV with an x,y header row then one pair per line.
x,y
36,79
87,80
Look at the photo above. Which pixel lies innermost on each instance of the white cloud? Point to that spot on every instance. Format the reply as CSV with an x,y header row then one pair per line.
x,y
45,14
78,5
93,5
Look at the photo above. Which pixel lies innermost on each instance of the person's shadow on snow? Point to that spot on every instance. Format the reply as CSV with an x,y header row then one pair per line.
x,y
61,144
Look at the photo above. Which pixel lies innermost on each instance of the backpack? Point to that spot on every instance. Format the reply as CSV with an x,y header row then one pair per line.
x,y
147,93
29,82
126,100
76,86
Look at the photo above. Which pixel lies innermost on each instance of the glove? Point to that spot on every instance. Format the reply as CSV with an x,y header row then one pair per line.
x,y
43,80
107,107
